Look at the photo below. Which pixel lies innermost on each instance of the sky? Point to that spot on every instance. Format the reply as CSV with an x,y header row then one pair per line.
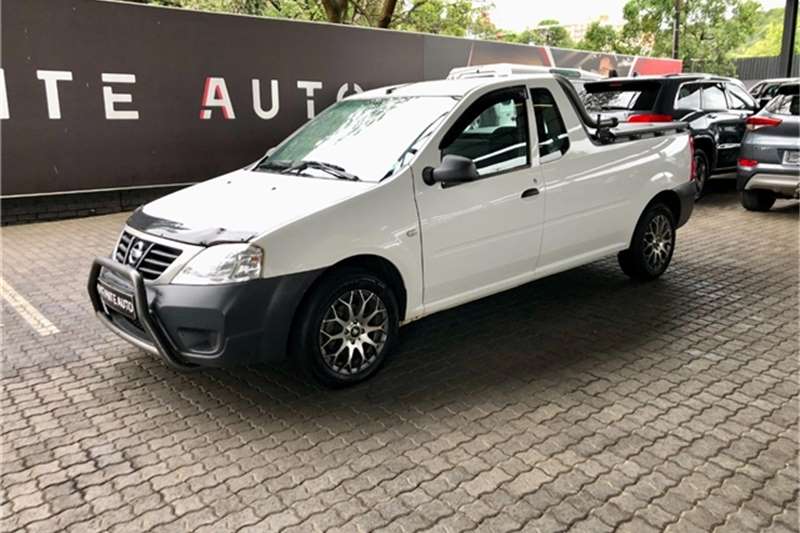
x,y
517,15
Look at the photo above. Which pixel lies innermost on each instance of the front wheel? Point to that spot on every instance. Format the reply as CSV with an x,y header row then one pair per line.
x,y
758,200
652,245
346,328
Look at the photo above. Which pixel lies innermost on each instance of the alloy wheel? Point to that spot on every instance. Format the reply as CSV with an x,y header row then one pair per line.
x,y
353,332
658,241
700,175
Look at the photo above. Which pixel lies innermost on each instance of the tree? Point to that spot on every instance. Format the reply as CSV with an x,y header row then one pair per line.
x,y
549,32
599,37
710,30
767,39
458,18
378,13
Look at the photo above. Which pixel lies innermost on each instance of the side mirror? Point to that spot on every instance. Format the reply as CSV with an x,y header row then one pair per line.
x,y
453,169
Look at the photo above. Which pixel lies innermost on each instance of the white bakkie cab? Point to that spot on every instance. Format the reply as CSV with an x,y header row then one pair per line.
x,y
389,206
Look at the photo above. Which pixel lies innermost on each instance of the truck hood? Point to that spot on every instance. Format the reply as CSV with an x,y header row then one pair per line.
x,y
239,206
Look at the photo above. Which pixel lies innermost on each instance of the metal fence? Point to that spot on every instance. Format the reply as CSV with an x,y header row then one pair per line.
x,y
759,68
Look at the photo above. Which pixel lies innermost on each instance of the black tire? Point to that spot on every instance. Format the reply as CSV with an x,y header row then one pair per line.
x,y
701,174
758,200
649,255
352,285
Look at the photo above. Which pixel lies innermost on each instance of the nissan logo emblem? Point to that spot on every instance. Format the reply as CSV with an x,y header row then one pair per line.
x,y
136,252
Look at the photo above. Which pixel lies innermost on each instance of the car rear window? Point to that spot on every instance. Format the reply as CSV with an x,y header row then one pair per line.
x,y
621,95
785,104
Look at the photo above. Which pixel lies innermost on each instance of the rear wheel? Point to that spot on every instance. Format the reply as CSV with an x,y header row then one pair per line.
x,y
758,200
652,245
701,173
346,328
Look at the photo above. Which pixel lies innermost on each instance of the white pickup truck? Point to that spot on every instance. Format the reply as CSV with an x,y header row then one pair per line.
x,y
389,206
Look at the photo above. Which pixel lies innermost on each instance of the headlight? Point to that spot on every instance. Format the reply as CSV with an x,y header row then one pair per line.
x,y
223,263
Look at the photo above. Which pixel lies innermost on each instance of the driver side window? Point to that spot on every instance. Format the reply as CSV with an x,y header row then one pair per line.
x,y
493,132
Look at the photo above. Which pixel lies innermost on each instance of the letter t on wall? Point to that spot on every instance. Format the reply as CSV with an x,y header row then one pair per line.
x,y
51,79
310,87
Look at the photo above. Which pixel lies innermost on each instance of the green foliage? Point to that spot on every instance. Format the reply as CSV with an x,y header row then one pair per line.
x,y
766,41
599,37
445,17
459,18
710,30
548,33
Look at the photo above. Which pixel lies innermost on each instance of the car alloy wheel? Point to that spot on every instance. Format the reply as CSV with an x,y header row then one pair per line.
x,y
658,241
353,332
700,174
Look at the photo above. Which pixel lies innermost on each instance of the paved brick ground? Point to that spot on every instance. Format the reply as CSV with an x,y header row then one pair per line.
x,y
582,402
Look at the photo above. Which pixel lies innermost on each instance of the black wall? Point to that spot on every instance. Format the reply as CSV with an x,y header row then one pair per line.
x,y
172,53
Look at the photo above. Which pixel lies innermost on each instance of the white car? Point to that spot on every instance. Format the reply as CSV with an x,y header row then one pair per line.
x,y
389,206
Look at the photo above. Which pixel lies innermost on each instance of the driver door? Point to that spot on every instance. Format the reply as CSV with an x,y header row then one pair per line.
x,y
481,236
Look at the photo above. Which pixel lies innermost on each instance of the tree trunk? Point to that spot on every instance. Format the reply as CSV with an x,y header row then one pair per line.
x,y
335,10
387,13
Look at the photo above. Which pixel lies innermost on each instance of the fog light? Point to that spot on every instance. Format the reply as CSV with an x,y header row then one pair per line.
x,y
199,340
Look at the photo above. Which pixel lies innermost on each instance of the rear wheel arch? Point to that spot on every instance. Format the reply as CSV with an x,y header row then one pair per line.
x,y
706,145
667,198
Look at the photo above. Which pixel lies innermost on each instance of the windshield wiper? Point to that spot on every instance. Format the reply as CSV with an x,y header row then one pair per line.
x,y
333,170
273,164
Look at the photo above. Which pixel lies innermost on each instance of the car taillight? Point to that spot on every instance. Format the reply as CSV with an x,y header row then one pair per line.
x,y
693,164
747,163
650,117
754,123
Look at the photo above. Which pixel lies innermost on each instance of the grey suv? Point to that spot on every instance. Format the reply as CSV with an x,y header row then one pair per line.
x,y
769,161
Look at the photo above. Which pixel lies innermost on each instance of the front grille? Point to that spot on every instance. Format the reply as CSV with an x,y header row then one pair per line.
x,y
151,259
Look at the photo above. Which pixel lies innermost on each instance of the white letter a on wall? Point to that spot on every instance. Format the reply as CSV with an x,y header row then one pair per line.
x,y
215,94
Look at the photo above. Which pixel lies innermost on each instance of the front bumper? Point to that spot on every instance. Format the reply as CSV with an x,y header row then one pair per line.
x,y
210,325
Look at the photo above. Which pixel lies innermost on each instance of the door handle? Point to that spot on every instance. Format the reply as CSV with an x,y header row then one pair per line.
x,y
527,193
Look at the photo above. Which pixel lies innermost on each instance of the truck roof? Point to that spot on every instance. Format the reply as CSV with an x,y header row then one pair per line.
x,y
456,88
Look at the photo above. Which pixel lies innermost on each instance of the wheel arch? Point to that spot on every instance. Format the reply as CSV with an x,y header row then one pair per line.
x,y
670,199
707,146
375,264
381,267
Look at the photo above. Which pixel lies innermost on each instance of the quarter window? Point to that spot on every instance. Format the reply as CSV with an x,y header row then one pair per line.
x,y
688,97
553,136
785,104
493,133
739,99
714,98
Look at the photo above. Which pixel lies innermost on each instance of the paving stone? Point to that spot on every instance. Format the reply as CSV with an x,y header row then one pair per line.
x,y
579,402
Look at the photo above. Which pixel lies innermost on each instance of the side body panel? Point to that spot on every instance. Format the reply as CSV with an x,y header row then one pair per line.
x,y
382,221
595,194
477,236
590,201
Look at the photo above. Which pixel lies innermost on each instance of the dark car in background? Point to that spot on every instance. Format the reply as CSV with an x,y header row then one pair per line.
x,y
714,107
769,162
763,91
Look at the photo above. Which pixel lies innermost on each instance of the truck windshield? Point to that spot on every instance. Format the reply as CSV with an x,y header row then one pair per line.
x,y
364,137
